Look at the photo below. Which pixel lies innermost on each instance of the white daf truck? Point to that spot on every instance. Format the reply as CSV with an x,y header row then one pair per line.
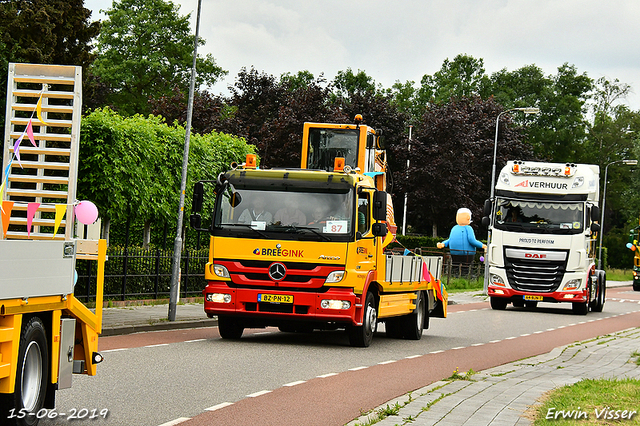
x,y
543,225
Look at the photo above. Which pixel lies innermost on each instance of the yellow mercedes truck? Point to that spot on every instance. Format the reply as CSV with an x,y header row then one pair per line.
x,y
304,249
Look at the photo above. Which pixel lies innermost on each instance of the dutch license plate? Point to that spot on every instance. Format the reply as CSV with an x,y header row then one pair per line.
x,y
275,298
530,297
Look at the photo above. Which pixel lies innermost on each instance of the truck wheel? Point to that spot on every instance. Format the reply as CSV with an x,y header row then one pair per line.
x,y
414,322
361,336
636,285
393,327
498,303
229,328
598,304
31,375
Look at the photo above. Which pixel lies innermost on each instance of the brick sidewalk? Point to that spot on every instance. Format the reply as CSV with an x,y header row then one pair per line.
x,y
500,396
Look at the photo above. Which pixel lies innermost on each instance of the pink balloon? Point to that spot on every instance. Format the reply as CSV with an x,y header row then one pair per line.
x,y
86,212
481,258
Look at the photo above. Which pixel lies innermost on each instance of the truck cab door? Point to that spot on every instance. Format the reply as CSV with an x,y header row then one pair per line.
x,y
365,239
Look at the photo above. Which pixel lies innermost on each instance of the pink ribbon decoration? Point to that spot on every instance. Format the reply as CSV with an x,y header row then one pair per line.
x,y
30,134
31,211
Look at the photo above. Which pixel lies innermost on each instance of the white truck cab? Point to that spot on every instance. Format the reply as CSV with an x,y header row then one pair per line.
x,y
542,247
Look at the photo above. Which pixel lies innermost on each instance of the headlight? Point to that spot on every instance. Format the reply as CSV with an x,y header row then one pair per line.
x,y
335,277
496,280
572,284
335,304
221,271
218,298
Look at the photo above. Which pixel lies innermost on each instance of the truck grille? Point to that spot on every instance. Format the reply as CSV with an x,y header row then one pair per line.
x,y
534,270
299,275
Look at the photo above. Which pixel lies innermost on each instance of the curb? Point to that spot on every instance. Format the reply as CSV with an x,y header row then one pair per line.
x,y
160,326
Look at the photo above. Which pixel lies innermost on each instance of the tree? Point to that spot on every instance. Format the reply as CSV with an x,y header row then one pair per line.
x,y
145,50
455,80
451,158
558,132
44,32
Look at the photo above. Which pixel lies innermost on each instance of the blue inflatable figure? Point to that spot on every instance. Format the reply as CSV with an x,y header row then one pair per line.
x,y
462,241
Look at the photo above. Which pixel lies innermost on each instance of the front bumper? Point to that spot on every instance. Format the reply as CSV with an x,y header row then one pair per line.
x,y
306,305
576,296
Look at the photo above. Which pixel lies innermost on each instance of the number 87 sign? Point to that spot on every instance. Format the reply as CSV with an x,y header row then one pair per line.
x,y
336,227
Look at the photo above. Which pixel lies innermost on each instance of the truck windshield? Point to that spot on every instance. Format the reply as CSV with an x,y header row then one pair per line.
x,y
539,216
285,215
327,144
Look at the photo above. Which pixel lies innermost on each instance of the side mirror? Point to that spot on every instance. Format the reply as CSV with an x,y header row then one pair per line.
x,y
380,205
195,221
595,227
236,199
379,229
595,213
198,196
486,221
487,208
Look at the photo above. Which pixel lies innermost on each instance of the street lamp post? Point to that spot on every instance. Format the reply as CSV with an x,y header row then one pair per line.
x,y
604,198
404,214
527,111
177,246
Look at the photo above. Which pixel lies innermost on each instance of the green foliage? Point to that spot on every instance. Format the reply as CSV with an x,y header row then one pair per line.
x,y
618,255
44,32
455,80
145,49
131,166
148,271
619,274
587,396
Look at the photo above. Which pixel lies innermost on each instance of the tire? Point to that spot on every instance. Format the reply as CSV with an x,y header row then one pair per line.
x,y
31,375
361,336
498,303
229,328
598,304
413,324
393,328
580,308
636,285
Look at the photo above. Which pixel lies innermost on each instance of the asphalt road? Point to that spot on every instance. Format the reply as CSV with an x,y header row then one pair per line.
x,y
269,377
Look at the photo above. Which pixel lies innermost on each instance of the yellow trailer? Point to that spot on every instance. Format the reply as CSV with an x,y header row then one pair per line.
x,y
46,333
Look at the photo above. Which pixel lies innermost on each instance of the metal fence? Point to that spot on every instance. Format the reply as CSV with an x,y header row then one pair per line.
x,y
136,273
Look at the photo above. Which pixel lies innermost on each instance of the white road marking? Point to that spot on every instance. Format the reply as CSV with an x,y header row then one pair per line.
x,y
260,393
176,421
219,406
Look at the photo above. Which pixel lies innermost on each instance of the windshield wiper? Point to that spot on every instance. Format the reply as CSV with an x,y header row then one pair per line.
x,y
308,228
247,225
297,229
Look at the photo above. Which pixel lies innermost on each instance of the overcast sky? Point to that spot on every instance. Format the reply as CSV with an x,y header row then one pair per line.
x,y
403,40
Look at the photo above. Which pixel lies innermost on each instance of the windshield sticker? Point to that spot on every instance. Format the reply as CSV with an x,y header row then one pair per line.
x,y
336,227
565,226
536,241
260,226
576,225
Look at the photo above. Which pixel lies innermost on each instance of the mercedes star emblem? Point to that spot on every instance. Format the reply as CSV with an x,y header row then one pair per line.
x,y
277,271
